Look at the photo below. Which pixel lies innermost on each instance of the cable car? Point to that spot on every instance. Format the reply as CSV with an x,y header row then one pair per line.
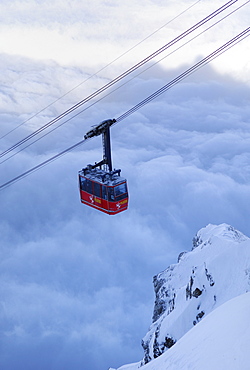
x,y
105,191
101,187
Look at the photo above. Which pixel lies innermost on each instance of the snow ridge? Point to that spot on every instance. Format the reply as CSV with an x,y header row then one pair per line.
x,y
215,271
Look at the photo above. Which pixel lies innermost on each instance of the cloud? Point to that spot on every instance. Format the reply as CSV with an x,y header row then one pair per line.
x,y
76,284
95,34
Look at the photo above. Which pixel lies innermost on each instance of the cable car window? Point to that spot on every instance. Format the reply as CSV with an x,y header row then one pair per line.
x,y
111,194
104,192
97,189
89,186
83,183
120,189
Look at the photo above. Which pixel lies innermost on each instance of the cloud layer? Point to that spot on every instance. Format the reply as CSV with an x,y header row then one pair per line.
x,y
76,287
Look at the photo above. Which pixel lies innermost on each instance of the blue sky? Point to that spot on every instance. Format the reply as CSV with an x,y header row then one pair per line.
x,y
76,284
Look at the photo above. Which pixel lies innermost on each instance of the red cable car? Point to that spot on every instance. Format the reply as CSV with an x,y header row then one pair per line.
x,y
103,190
100,187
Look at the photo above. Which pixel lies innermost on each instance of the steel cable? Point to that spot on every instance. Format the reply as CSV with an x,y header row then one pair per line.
x,y
100,70
121,76
241,36
97,101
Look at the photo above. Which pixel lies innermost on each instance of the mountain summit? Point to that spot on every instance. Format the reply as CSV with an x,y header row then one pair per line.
x,y
213,273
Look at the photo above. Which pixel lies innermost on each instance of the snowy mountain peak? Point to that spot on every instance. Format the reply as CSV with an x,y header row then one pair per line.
x,y
223,231
216,270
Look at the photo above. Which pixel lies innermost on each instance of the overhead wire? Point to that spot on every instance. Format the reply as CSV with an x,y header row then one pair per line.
x,y
100,70
120,86
121,76
229,44
189,71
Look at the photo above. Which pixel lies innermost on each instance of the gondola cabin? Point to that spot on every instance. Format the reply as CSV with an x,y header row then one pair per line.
x,y
100,186
103,190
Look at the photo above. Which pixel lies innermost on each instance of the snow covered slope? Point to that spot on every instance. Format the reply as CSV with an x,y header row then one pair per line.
x,y
220,341
214,272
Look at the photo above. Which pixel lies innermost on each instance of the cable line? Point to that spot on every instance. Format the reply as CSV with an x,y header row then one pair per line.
x,y
120,86
100,70
231,43
121,76
189,71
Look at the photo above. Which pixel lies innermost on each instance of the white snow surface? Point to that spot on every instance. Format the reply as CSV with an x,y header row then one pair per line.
x,y
211,330
219,341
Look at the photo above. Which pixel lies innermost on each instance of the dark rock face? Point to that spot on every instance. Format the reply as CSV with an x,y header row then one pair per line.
x,y
197,292
169,342
147,357
190,286
196,241
209,277
160,303
198,317
159,348
181,255
164,297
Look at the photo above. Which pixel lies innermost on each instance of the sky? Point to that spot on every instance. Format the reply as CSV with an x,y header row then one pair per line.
x,y
76,285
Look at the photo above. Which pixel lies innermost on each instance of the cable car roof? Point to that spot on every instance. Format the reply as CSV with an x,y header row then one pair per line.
x,y
104,177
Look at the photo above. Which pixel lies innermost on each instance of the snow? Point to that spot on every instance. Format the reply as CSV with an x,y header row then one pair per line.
x,y
219,341
210,267
211,329
134,366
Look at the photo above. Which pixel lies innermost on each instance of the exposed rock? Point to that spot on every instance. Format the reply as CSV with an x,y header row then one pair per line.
x,y
169,342
181,255
165,296
160,347
147,357
197,241
197,292
209,276
199,317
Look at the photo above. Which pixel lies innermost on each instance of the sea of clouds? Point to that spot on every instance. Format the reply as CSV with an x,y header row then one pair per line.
x,y
76,285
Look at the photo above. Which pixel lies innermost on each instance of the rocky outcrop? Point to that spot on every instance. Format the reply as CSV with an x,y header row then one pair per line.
x,y
201,280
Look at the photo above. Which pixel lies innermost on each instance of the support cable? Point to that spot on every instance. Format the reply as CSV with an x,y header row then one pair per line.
x,y
189,71
100,70
231,43
120,86
121,76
